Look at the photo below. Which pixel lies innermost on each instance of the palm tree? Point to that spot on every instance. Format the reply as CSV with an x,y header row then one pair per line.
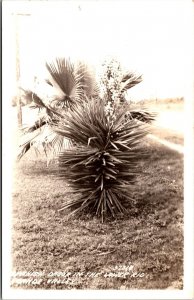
x,y
73,82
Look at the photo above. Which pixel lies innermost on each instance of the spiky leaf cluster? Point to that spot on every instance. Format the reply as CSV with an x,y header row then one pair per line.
x,y
103,166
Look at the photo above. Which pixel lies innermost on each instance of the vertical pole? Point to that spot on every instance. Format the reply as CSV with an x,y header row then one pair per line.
x,y
19,106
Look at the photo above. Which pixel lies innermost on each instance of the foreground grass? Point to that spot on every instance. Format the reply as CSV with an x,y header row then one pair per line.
x,y
148,241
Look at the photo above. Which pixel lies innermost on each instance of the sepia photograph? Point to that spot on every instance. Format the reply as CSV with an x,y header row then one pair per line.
x,y
97,110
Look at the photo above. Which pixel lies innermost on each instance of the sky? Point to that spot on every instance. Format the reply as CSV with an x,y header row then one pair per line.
x,y
152,38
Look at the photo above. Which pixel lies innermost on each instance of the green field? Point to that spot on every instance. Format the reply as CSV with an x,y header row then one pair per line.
x,y
142,250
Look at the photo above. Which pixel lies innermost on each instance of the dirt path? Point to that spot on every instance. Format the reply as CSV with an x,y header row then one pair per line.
x,y
170,145
168,130
173,120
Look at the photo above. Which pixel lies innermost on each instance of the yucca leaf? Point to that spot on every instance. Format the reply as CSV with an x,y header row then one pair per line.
x,y
129,80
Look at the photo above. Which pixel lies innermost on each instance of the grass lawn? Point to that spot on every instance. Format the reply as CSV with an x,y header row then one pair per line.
x,y
143,250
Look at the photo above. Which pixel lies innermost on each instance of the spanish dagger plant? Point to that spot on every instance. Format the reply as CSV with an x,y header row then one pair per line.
x,y
103,165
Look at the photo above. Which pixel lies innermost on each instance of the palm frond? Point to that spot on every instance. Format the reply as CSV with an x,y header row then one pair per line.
x,y
61,71
33,98
75,81
85,78
53,144
37,125
27,142
43,138
27,94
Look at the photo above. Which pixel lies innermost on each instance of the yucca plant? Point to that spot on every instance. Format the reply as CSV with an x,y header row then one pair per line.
x,y
71,83
115,81
103,165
